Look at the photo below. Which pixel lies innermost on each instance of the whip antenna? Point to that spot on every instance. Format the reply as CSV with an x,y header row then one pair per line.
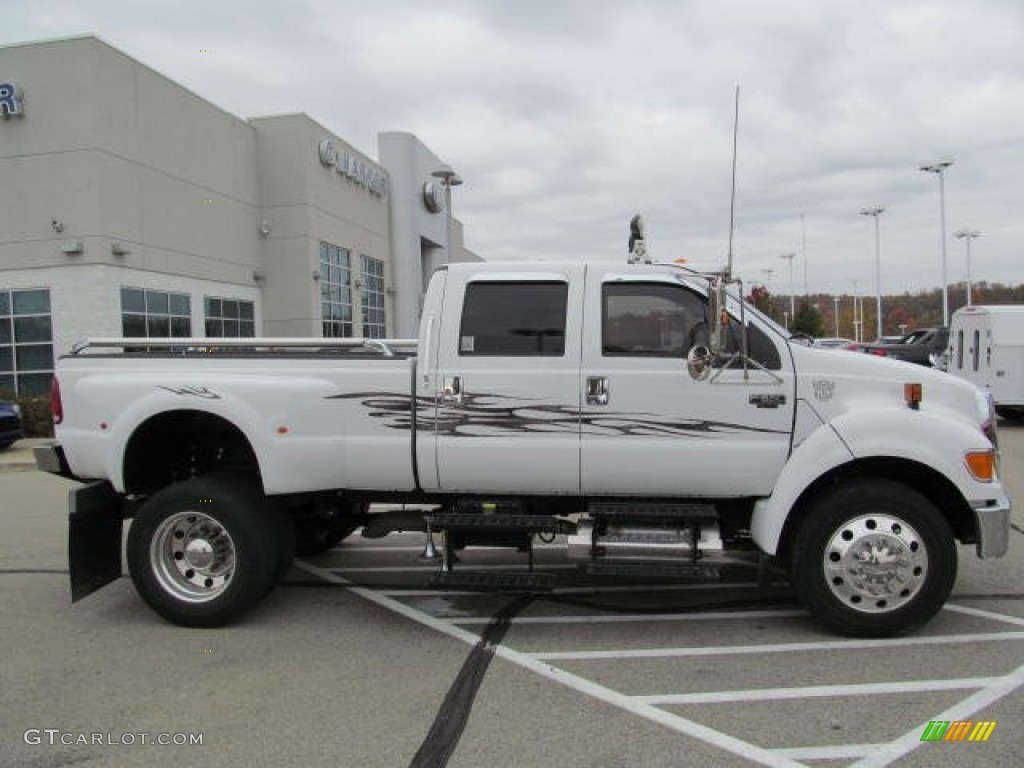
x,y
732,194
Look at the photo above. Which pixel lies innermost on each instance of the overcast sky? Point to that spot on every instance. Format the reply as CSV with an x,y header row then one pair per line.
x,y
566,117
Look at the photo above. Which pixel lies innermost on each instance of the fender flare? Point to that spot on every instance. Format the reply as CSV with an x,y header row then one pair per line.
x,y
231,409
933,441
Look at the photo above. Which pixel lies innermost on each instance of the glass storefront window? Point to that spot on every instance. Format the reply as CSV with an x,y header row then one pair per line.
x,y
26,341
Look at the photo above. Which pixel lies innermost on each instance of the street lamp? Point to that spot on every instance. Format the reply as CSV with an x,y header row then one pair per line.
x,y
967,235
875,213
858,309
449,179
835,300
792,299
938,169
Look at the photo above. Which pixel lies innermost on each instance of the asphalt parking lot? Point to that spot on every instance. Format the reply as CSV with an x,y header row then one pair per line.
x,y
357,661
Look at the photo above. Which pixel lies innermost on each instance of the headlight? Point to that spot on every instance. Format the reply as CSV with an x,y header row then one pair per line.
x,y
17,409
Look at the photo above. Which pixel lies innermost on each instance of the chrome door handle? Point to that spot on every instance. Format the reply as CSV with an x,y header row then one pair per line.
x,y
451,392
597,390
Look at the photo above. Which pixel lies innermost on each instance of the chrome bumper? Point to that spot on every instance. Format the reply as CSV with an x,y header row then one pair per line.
x,y
992,524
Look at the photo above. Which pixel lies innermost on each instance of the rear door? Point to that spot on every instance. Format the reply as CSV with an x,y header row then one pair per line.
x,y
508,381
647,427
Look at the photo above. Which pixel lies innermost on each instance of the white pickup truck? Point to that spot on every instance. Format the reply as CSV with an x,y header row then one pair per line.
x,y
640,413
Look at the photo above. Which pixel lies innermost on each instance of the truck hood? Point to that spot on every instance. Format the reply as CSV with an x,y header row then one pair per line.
x,y
836,381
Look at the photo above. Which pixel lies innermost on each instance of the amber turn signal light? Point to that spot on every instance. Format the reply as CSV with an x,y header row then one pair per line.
x,y
913,393
981,465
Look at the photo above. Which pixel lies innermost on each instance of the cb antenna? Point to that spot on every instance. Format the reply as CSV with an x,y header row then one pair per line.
x,y
732,195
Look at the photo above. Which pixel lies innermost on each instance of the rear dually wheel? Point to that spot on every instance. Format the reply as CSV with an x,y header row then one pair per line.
x,y
202,551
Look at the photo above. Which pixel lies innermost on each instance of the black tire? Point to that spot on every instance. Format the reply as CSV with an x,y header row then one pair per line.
x,y
325,526
860,596
203,551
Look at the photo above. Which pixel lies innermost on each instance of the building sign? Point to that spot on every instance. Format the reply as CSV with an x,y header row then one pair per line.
x,y
348,165
11,100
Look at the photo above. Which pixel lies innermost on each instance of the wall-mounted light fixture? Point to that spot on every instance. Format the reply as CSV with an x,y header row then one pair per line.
x,y
71,247
258,276
316,275
58,225
264,228
119,249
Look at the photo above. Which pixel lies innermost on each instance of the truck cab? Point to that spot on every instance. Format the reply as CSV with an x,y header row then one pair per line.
x,y
576,376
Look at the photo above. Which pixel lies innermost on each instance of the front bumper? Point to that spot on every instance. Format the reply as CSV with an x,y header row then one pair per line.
x,y
992,524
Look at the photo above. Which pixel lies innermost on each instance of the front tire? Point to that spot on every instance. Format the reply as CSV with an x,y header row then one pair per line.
x,y
873,558
203,551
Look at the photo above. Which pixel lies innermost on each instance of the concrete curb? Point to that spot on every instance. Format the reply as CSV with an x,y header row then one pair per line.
x,y
19,457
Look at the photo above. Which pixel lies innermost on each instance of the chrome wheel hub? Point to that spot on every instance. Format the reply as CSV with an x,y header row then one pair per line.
x,y
193,556
875,563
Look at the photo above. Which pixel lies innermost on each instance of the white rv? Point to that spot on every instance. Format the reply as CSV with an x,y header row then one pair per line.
x,y
986,347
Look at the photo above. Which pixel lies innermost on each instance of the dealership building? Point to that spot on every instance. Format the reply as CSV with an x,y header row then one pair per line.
x,y
129,206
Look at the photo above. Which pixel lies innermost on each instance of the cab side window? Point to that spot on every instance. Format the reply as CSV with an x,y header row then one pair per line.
x,y
651,320
510,319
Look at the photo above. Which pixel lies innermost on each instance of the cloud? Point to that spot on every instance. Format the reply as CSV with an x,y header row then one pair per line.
x,y
566,118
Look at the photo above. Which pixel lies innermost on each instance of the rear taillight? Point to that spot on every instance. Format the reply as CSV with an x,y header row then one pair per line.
x,y
55,402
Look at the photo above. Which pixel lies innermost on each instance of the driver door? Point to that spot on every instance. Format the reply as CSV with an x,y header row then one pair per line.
x,y
647,427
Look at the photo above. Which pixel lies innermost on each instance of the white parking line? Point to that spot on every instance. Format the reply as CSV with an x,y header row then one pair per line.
x,y
815,691
623,618
834,752
985,614
871,755
674,722
962,710
724,650
611,589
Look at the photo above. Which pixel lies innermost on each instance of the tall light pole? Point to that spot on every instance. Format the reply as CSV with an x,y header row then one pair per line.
x,y
835,301
875,213
792,299
803,250
449,179
967,235
857,319
939,169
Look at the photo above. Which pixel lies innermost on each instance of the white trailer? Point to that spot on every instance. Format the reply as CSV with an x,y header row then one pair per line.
x,y
986,348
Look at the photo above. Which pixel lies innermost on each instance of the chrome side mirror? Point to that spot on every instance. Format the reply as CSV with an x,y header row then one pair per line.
x,y
698,362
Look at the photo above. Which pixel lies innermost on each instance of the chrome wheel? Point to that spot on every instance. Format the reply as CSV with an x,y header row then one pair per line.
x,y
875,563
193,556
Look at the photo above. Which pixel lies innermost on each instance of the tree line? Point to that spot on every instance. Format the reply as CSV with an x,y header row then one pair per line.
x,y
902,313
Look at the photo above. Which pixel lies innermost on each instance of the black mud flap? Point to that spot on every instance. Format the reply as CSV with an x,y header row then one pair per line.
x,y
95,522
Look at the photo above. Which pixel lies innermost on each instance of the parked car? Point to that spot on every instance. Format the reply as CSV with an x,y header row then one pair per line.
x,y
833,342
924,347
10,424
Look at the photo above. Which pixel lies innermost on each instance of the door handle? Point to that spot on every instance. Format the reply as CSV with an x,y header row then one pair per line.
x,y
451,392
597,390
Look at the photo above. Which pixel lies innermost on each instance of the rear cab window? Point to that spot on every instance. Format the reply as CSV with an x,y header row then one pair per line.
x,y
514,319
